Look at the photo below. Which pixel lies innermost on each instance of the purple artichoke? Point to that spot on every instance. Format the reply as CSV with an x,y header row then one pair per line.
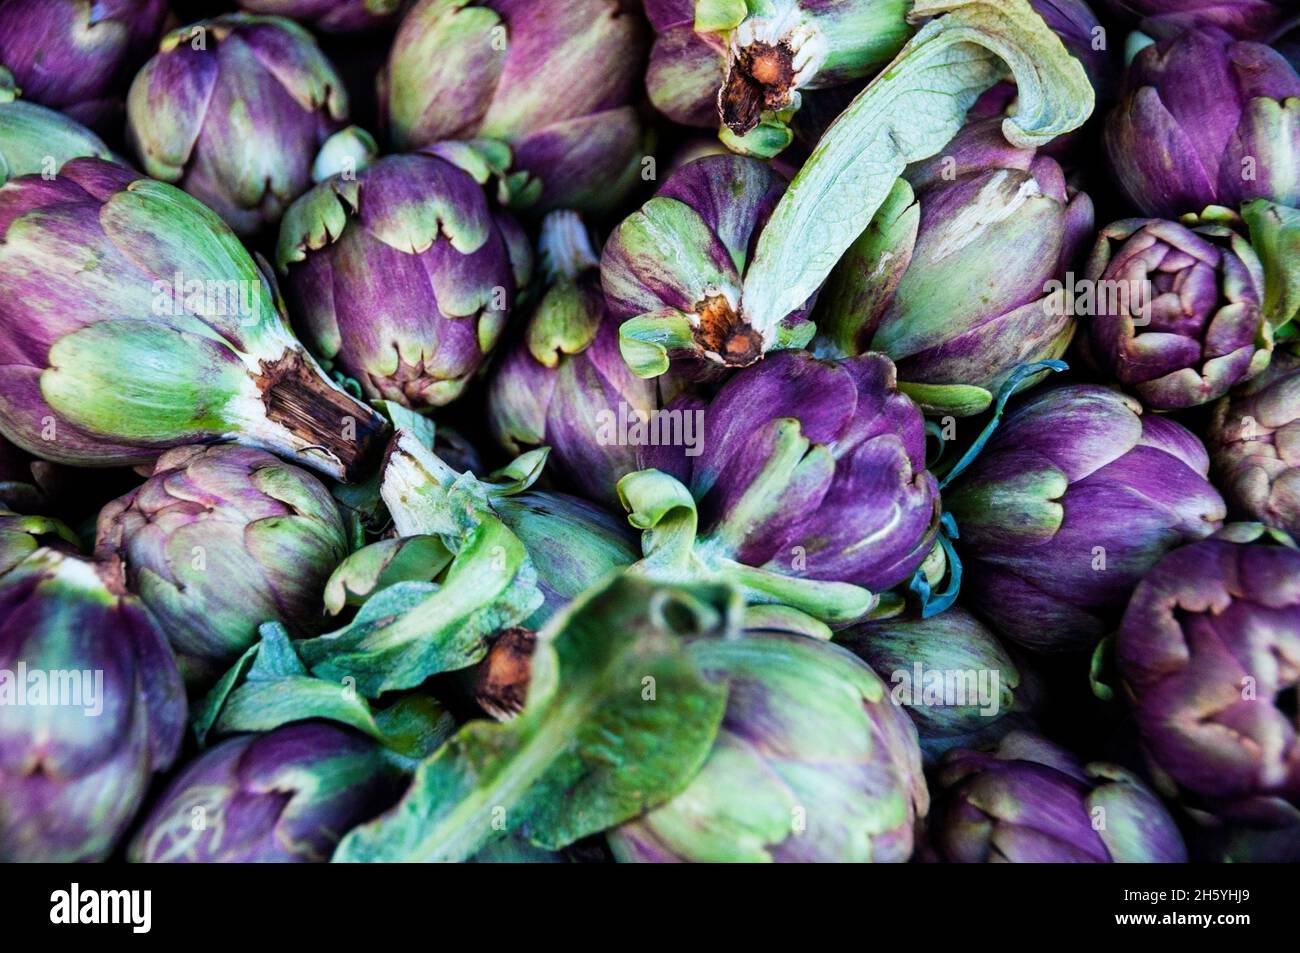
x,y
1206,120
330,16
1177,313
402,275
1209,651
219,540
566,378
233,110
77,56
956,681
1245,19
812,469
743,66
711,213
1075,496
1029,801
93,706
132,320
954,278
812,763
285,796
553,79
1254,442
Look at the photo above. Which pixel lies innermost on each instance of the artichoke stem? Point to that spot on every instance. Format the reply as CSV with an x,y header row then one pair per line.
x,y
307,406
502,684
760,77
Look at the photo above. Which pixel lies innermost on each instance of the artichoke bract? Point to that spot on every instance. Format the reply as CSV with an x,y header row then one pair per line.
x,y
401,274
742,65
553,79
1030,801
1254,443
78,57
1075,496
1244,19
330,16
34,138
1177,315
958,278
132,320
810,469
1206,120
565,384
233,110
285,796
219,540
812,763
688,305
93,706
956,681
1206,651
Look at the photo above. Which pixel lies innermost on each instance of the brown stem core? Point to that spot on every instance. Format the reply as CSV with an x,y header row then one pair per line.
x,y
760,77
298,399
726,334
502,684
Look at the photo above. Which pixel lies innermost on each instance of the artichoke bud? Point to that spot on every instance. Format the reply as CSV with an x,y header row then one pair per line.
x,y
812,763
283,796
232,110
525,75
690,306
93,707
36,139
565,385
162,287
1254,442
220,540
400,273
1029,801
1186,321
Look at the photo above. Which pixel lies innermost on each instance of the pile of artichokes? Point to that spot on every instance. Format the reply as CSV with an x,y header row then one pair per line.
x,y
689,430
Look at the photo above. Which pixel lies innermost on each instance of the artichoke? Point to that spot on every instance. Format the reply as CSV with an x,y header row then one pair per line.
x,y
744,64
1254,442
77,56
93,707
36,139
330,16
1029,801
553,79
1073,499
803,470
1244,19
233,110
954,278
1177,310
285,796
1206,120
812,763
219,540
565,378
1209,651
955,679
104,271
401,275
710,212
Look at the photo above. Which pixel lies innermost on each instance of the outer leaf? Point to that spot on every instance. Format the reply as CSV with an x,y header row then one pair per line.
x,y
1275,236
907,113
618,720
